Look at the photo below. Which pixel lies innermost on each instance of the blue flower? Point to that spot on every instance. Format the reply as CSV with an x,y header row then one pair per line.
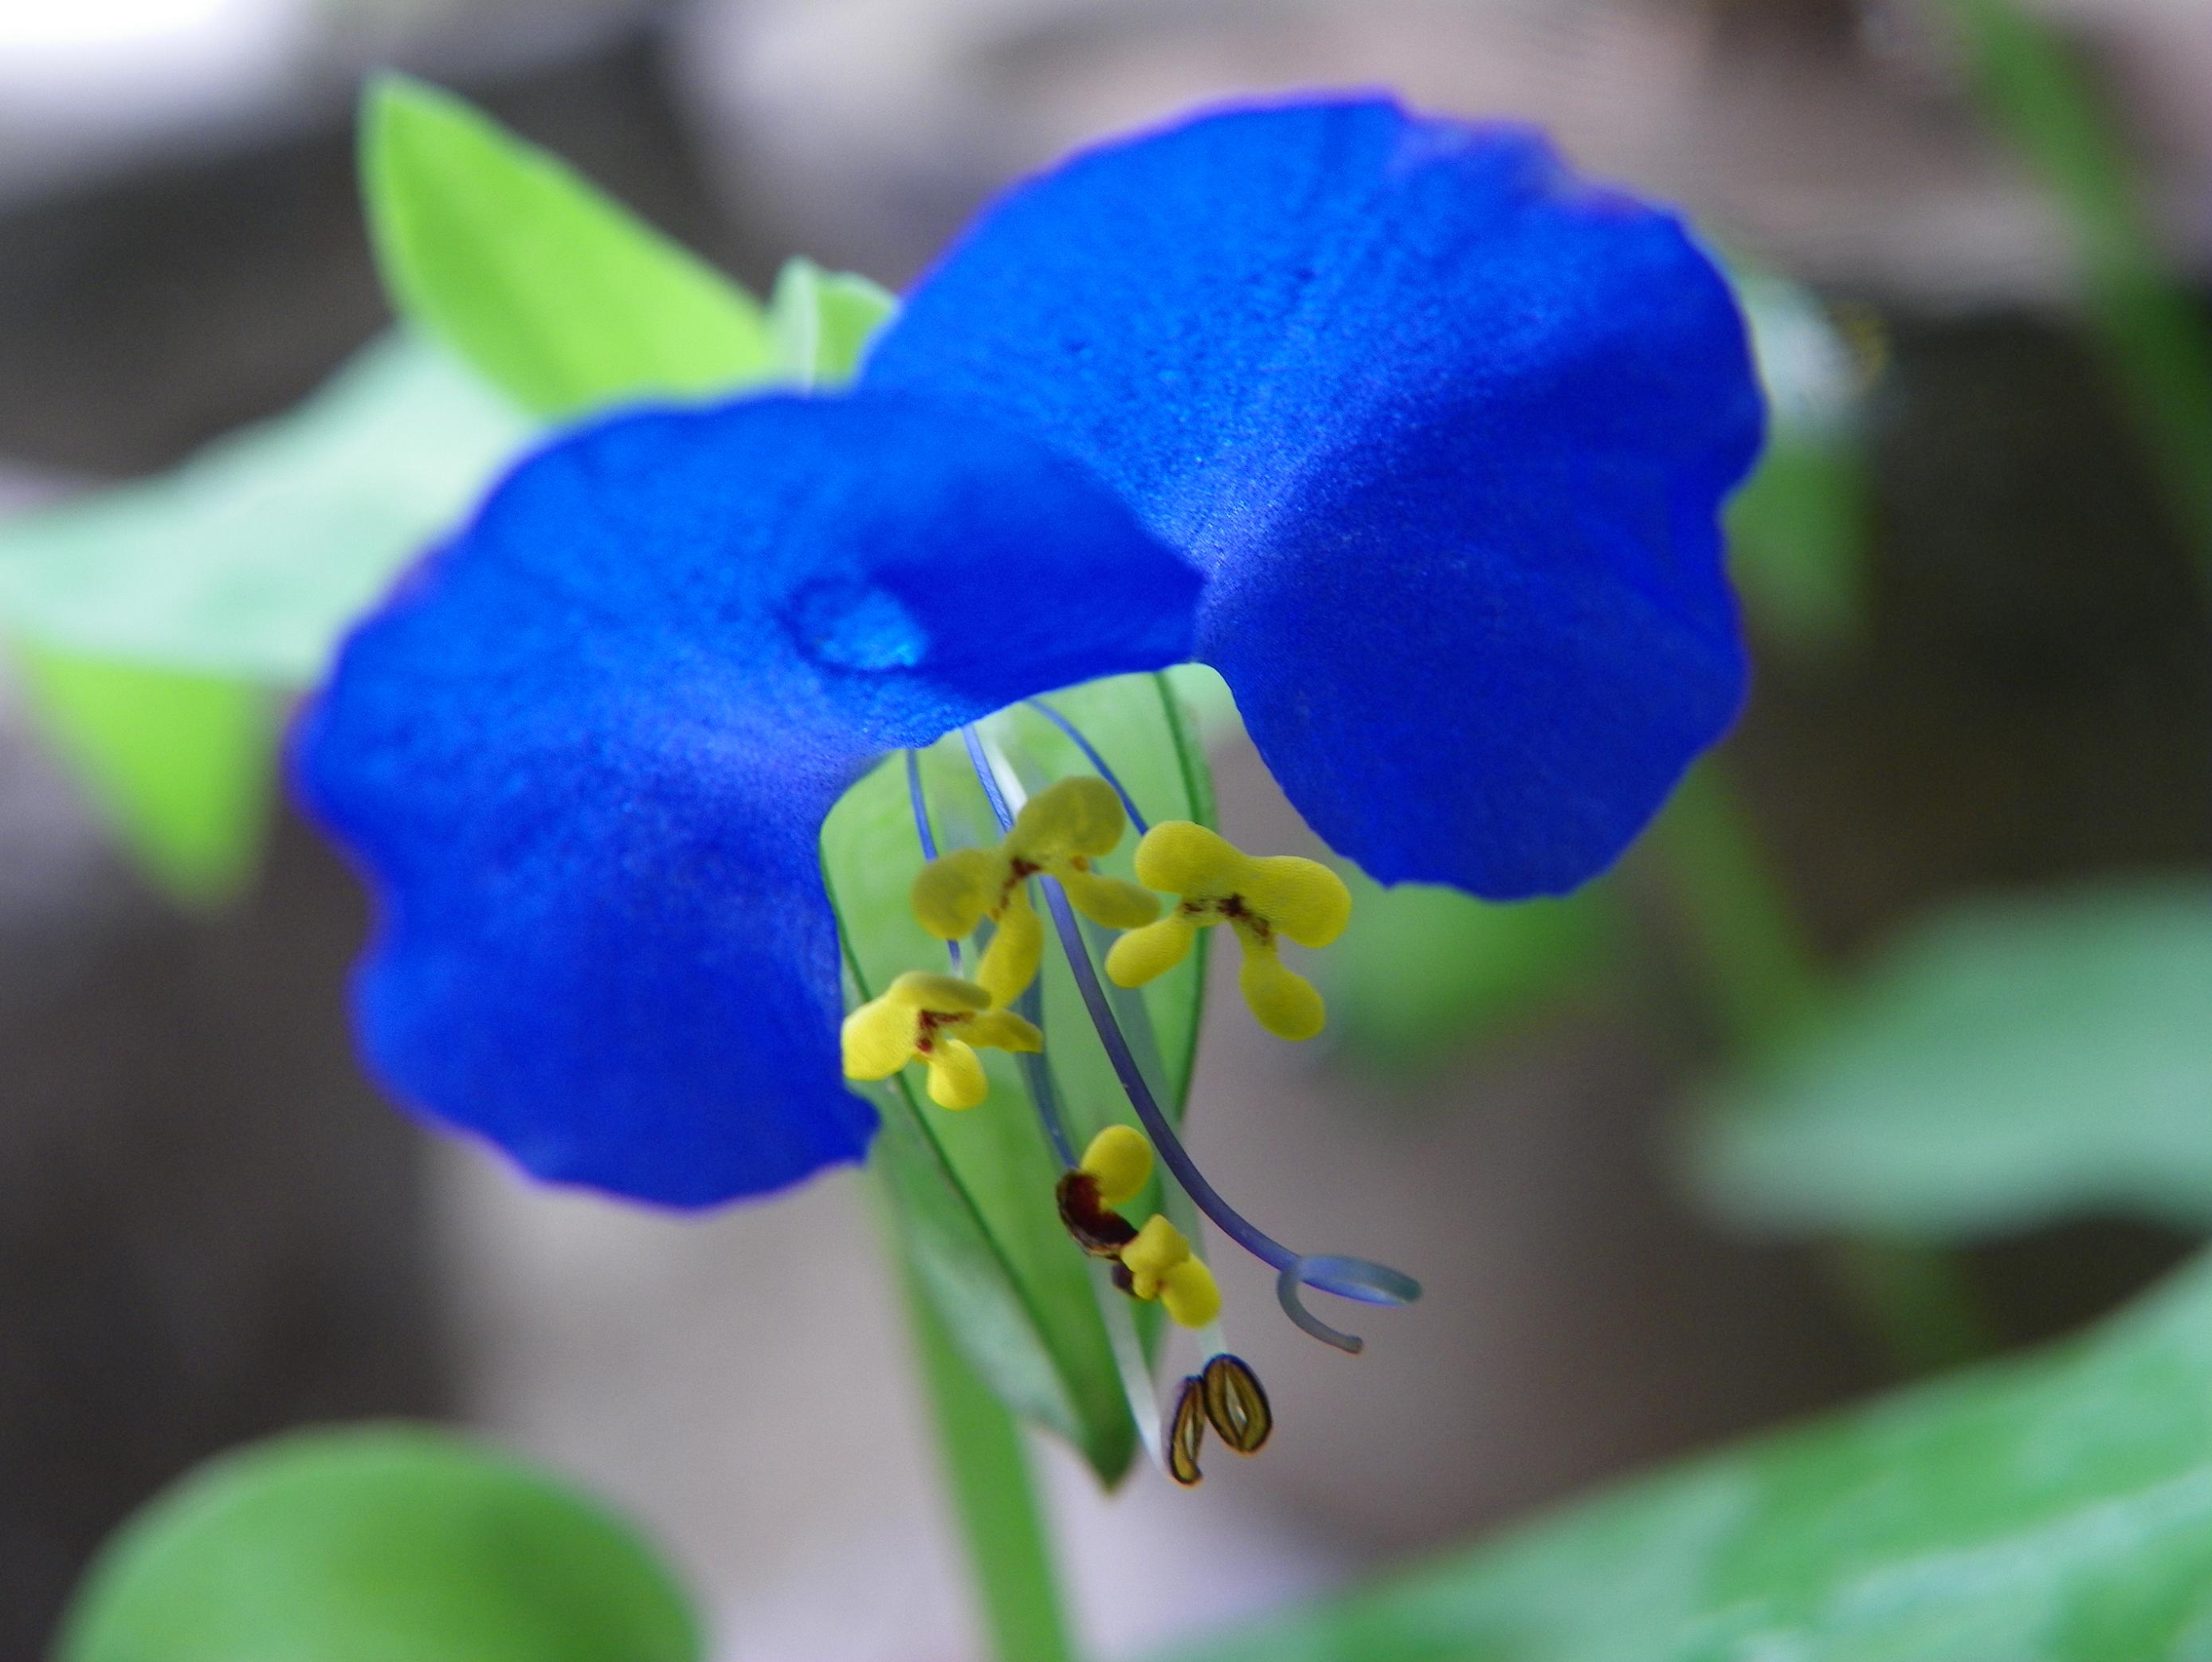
x,y
1416,437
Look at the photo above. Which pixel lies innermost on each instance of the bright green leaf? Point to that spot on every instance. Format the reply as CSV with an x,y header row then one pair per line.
x,y
178,763
974,1192
248,561
822,322
2058,1509
551,290
2006,1063
1422,971
376,1544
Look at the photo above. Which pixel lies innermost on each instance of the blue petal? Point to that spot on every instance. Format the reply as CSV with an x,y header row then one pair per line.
x,y
1448,429
585,753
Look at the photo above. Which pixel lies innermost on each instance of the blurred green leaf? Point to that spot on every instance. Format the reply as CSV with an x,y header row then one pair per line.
x,y
551,290
2055,1509
250,560
178,763
2004,1064
974,1192
376,1544
1422,971
822,322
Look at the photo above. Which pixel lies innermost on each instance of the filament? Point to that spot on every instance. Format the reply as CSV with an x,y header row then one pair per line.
x,y
1091,755
1347,1278
922,829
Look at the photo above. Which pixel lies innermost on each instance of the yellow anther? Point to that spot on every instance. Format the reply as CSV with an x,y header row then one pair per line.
x,y
935,1020
1189,1295
1260,897
1058,832
1120,1162
1160,1266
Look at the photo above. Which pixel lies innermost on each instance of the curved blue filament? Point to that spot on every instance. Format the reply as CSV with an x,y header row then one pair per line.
x,y
1346,1277
922,829
1036,1070
1091,755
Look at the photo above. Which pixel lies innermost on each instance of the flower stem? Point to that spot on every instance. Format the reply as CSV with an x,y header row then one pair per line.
x,y
1914,1297
1762,970
1003,1520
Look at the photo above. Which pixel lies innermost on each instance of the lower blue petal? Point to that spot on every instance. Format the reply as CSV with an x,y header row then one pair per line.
x,y
583,756
1448,429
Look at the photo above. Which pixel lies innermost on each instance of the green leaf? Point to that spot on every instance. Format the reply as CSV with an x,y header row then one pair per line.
x,y
822,322
974,1192
2004,1064
1422,971
248,561
551,290
376,1544
178,764
2057,1510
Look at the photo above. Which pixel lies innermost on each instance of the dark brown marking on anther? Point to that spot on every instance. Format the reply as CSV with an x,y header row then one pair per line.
x,y
1097,1229
1232,908
1017,873
1236,1405
1187,1433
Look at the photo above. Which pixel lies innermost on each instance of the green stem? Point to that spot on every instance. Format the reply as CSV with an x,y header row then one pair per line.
x,y
1763,971
1914,1297
995,1494
2155,338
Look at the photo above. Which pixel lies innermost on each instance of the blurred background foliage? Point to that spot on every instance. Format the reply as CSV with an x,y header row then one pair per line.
x,y
1889,1048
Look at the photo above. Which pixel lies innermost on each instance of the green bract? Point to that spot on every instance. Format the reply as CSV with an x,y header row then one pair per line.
x,y
974,1190
822,322
376,1546
2004,1064
2058,1509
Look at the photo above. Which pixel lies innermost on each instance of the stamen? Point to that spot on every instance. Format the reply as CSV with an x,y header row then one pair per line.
x,y
1236,1404
1038,1072
1353,1278
922,829
1091,755
1187,1433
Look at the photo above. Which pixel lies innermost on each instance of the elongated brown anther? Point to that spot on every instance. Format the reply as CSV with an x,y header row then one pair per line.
x,y
1236,1405
1187,1433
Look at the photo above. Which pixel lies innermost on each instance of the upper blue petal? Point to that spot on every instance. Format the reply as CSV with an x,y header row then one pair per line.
x,y
585,752
1448,429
